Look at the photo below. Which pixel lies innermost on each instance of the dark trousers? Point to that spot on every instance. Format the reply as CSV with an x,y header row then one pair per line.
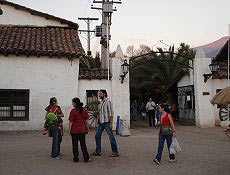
x,y
57,139
161,142
81,138
151,114
100,129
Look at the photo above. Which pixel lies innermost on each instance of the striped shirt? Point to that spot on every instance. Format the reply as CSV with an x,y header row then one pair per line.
x,y
105,110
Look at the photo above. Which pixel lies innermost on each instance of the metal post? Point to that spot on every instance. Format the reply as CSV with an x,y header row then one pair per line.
x,y
107,10
88,37
228,62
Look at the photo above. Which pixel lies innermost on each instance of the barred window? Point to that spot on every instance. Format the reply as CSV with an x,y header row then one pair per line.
x,y
14,105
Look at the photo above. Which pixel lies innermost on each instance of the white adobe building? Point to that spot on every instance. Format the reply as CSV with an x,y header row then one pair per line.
x,y
39,59
197,87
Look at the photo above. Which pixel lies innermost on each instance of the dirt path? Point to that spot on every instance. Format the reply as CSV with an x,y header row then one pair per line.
x,y
205,151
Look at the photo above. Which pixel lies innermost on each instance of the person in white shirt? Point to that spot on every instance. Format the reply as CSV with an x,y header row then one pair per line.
x,y
150,108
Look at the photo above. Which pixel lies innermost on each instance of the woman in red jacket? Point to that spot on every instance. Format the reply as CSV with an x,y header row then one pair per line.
x,y
78,119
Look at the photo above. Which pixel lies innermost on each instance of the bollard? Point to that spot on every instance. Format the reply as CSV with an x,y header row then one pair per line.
x,y
117,125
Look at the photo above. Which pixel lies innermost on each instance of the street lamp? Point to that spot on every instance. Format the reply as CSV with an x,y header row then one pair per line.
x,y
124,69
213,67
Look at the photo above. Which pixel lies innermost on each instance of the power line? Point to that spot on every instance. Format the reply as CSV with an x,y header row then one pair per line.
x,y
88,32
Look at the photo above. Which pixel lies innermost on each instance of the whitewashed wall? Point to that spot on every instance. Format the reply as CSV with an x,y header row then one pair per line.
x,y
93,85
20,17
207,115
120,91
44,77
184,81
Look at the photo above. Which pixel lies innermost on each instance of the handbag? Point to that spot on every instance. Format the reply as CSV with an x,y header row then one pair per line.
x,y
167,131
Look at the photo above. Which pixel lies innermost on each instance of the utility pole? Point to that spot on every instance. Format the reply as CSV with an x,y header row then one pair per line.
x,y
103,31
88,31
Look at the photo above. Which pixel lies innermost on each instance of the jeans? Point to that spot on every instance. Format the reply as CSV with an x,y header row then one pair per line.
x,y
100,129
162,139
81,138
57,139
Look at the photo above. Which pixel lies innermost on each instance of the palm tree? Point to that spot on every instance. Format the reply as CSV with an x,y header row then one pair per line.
x,y
158,70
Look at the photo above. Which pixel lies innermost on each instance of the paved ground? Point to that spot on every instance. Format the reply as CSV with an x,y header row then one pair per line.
x,y
205,151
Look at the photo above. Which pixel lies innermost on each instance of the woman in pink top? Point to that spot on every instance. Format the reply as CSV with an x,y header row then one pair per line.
x,y
165,121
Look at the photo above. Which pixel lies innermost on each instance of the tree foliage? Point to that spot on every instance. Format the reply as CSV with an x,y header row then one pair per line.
x,y
158,70
87,62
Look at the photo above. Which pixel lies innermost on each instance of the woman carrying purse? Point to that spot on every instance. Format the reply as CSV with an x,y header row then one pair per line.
x,y
78,129
167,131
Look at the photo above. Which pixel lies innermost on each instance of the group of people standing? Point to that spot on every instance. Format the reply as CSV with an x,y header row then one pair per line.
x,y
78,127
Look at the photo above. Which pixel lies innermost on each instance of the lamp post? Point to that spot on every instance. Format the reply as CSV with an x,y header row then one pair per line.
x,y
124,69
213,67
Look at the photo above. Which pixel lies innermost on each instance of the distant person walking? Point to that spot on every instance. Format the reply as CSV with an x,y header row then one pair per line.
x,y
167,131
134,110
150,108
78,119
143,111
105,122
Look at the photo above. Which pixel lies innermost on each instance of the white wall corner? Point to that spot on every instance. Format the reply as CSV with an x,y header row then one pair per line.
x,y
120,91
204,110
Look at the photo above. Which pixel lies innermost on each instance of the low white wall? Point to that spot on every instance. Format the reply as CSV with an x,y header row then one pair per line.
x,y
44,77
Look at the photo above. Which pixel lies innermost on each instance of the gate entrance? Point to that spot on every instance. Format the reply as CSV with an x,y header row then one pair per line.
x,y
186,105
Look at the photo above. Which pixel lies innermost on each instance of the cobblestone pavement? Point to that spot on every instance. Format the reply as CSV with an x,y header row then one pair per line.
x,y
205,152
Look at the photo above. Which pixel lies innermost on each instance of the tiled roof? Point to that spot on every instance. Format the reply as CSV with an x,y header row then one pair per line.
x,y
37,13
40,41
90,74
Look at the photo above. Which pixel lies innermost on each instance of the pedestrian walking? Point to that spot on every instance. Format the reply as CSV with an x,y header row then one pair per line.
x,y
143,111
167,132
105,122
150,108
134,110
78,121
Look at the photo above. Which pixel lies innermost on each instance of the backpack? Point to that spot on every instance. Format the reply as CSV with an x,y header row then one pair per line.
x,y
51,117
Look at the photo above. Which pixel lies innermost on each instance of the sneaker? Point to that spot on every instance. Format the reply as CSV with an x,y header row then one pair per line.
x,y
172,160
95,154
56,158
90,160
156,161
114,155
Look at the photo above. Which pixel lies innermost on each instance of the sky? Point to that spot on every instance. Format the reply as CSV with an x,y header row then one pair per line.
x,y
195,22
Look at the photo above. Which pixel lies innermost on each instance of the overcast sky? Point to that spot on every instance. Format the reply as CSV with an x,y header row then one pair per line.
x,y
136,22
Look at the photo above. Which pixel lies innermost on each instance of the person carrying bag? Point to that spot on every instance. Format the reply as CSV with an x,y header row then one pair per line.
x,y
167,132
78,129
